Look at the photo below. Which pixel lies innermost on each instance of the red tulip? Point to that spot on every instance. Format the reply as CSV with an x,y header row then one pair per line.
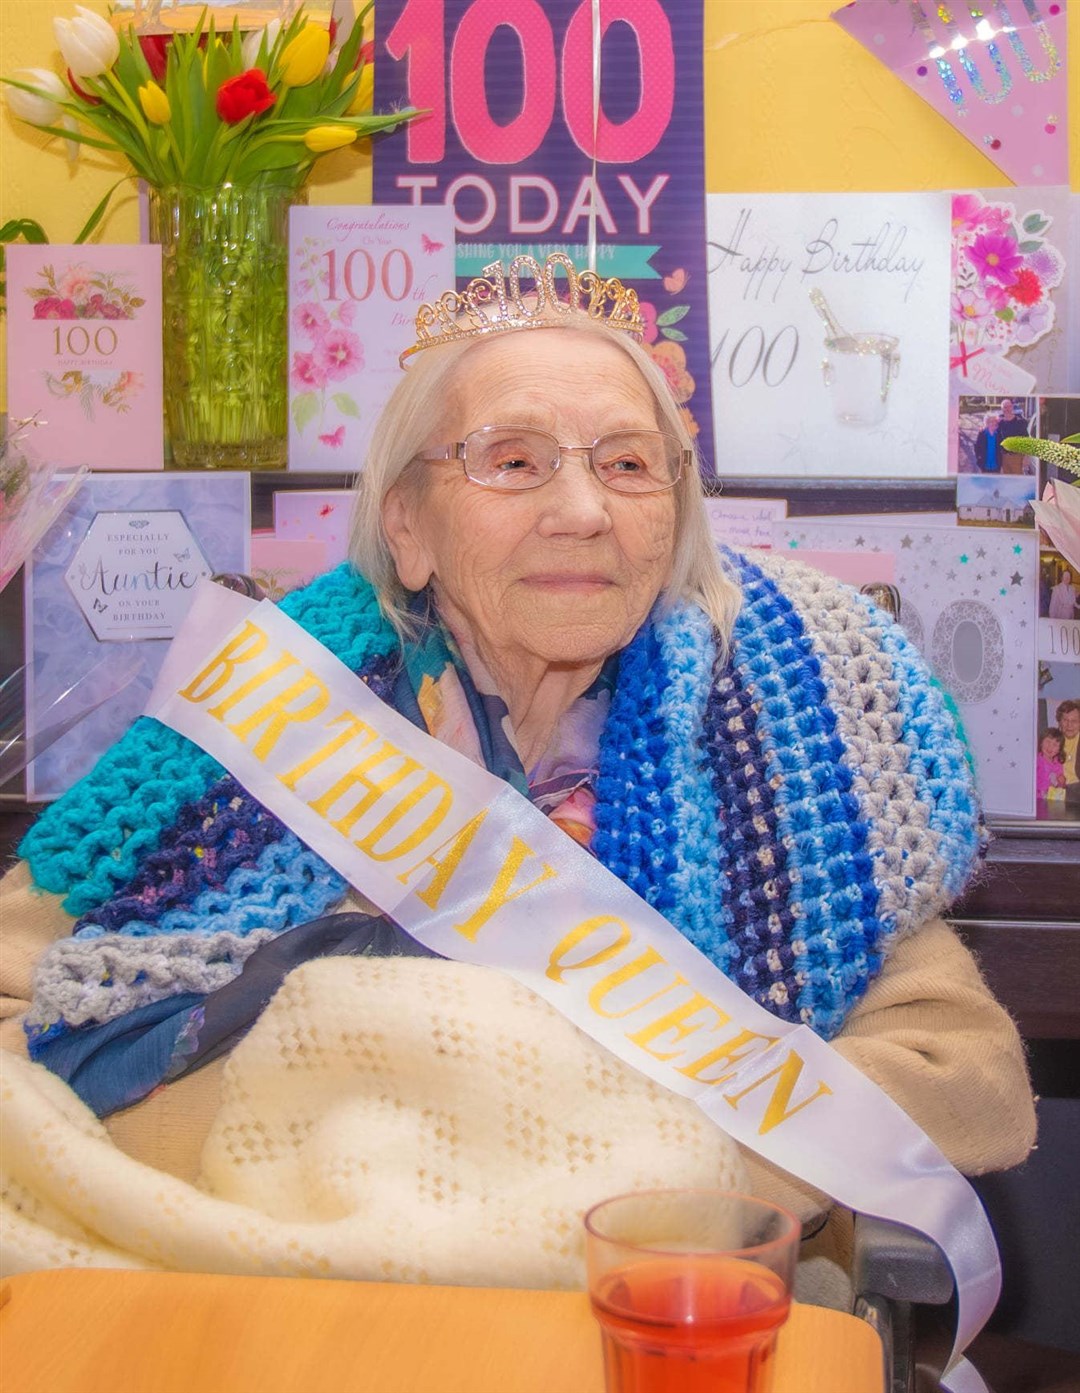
x,y
244,96
366,54
86,96
155,49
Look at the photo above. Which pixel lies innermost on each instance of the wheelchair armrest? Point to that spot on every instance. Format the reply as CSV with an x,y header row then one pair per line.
x,y
898,1263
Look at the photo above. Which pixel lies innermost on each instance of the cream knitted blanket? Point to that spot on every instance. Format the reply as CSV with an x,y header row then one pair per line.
x,y
385,1119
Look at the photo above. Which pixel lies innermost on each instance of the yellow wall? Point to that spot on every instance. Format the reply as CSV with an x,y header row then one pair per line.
x,y
791,103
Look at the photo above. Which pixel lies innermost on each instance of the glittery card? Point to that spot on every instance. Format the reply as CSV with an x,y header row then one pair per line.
x,y
1015,302
967,601
829,324
109,584
997,73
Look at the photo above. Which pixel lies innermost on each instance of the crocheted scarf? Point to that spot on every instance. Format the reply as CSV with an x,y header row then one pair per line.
x,y
793,807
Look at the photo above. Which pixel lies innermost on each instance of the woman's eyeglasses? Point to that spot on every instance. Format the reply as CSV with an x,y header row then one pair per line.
x,y
514,458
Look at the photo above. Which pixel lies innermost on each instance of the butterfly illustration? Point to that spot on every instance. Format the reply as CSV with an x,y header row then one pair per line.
x,y
182,555
138,522
675,282
429,245
335,439
99,607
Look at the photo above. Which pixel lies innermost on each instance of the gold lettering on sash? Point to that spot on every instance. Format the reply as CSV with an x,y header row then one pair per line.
x,y
731,1052
622,975
231,656
673,1021
777,1110
376,788
501,892
556,967
275,714
352,730
253,684
459,844
428,785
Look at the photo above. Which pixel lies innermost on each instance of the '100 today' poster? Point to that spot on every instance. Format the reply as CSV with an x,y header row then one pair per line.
x,y
512,147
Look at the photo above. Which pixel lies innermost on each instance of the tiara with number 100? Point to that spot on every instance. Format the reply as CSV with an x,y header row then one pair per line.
x,y
493,303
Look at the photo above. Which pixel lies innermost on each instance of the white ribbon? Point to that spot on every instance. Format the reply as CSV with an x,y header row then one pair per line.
x,y
476,873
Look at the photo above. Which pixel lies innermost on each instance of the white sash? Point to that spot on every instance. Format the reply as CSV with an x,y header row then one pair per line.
x,y
473,871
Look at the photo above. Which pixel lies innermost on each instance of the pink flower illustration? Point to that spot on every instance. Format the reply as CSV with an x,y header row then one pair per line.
x,y
77,282
1032,322
53,307
128,383
311,319
111,310
339,354
966,208
995,257
648,314
346,312
671,360
306,372
967,306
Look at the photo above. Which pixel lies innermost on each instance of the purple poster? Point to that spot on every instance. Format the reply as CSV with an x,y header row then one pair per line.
x,y
516,146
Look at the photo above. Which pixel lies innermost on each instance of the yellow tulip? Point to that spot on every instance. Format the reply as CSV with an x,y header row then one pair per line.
x,y
155,104
365,92
304,57
323,138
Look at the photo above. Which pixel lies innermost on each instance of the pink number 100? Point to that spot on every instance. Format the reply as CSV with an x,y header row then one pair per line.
x,y
419,35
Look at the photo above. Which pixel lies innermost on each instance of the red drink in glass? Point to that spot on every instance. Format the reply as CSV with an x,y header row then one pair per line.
x,y
690,1288
701,1324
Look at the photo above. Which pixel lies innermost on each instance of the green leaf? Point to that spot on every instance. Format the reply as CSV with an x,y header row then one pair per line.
x,y
345,404
1007,315
26,228
676,334
1035,222
1071,439
305,408
673,315
1027,247
96,216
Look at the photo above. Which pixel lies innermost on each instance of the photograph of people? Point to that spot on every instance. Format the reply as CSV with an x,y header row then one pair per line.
x,y
1049,765
1064,598
1068,721
983,423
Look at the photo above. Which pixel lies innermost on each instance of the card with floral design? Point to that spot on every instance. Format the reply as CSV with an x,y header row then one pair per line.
x,y
1015,305
84,352
356,278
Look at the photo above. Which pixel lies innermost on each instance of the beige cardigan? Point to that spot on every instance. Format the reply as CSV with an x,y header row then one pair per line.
x,y
928,1032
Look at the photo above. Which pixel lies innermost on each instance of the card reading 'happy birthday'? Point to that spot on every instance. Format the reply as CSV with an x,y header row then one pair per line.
x,y
84,352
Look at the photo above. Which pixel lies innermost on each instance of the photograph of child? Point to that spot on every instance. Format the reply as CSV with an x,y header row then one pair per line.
x,y
1057,765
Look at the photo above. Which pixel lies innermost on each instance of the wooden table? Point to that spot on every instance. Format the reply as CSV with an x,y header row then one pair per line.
x,y
163,1332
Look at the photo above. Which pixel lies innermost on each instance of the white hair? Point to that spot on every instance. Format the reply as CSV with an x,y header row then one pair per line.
x,y
406,427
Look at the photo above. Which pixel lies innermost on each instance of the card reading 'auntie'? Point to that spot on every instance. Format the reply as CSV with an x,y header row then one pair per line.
x,y
84,352
356,278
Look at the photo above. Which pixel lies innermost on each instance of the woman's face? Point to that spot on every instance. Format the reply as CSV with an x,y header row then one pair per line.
x,y
566,572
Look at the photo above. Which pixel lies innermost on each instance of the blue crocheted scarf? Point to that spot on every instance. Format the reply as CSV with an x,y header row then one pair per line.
x,y
793,809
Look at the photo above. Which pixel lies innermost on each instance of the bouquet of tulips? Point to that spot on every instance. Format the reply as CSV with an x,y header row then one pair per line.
x,y
206,109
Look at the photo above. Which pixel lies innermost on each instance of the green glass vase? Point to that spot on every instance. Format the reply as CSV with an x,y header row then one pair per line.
x,y
225,300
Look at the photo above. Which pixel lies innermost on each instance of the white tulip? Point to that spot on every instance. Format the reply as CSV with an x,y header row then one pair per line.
x,y
89,44
39,108
249,49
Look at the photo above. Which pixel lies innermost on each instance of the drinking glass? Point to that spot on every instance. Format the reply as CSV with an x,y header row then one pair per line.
x,y
859,369
690,1288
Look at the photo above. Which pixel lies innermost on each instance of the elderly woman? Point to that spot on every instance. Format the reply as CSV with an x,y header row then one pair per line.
x,y
289,1083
